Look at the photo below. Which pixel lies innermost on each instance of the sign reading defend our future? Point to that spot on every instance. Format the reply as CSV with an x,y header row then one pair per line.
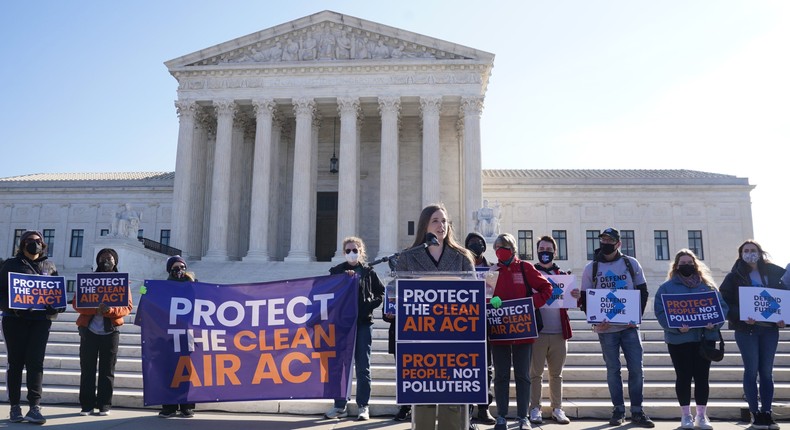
x,y
440,348
763,304
35,292
616,306
95,288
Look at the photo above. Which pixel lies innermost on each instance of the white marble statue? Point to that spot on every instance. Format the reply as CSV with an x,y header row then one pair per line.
x,y
487,220
126,222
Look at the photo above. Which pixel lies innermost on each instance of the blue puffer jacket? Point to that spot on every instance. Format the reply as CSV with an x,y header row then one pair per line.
x,y
673,335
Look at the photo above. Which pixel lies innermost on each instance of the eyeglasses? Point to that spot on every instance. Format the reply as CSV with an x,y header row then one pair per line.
x,y
354,250
178,268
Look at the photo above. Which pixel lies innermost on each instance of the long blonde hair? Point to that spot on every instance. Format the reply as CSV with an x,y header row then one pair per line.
x,y
702,270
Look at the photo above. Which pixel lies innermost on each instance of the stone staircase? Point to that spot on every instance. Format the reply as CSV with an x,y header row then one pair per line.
x,y
585,390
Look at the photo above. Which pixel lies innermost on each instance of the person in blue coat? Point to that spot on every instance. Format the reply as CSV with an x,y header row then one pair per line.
x,y
687,275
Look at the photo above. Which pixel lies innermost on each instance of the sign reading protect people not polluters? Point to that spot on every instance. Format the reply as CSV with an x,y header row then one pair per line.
x,y
440,347
692,309
36,292
616,306
763,304
94,288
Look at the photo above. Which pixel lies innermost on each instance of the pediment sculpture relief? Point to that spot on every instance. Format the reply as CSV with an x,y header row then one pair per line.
x,y
324,42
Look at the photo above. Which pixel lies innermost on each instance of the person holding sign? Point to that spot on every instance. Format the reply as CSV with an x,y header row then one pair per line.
x,y
99,339
757,341
517,280
176,268
446,256
551,347
371,291
688,275
26,331
610,269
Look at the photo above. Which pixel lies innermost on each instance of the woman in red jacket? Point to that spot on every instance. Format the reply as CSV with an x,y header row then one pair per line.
x,y
517,280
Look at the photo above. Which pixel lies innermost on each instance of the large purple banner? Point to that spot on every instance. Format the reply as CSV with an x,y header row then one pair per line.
x,y
289,339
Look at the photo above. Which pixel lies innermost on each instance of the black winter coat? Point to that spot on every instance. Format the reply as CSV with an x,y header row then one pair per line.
x,y
22,264
738,277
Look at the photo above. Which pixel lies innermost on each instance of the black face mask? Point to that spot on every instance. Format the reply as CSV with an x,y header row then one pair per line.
x,y
687,269
106,265
34,248
545,257
607,248
477,248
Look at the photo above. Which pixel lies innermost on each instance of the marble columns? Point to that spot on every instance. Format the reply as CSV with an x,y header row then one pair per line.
x,y
348,181
261,181
389,108
220,184
431,170
304,109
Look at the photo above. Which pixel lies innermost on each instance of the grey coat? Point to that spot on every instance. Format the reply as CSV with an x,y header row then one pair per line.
x,y
419,261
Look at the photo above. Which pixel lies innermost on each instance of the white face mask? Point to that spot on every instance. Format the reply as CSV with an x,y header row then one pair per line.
x,y
751,257
352,258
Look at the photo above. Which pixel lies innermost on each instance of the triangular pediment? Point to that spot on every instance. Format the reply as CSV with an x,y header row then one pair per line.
x,y
328,37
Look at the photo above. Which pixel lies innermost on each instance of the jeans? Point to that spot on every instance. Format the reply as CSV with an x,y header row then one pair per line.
x,y
103,348
521,355
361,365
630,342
26,344
758,347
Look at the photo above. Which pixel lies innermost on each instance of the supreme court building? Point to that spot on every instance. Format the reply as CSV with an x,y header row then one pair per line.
x,y
262,116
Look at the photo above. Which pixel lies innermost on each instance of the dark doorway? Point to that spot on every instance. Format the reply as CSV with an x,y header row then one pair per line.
x,y
326,226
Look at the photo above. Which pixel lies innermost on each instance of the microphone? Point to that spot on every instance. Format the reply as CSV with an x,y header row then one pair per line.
x,y
431,240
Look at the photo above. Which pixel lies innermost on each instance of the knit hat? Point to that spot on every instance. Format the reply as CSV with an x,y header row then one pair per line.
x,y
173,260
29,233
107,251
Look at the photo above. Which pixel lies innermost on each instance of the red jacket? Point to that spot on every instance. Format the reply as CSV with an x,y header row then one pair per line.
x,y
115,314
510,285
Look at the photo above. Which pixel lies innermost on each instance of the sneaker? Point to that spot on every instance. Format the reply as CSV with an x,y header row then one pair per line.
x,y
642,420
363,414
336,413
769,421
16,414
618,418
687,422
188,413
86,411
559,416
34,415
404,414
484,417
535,416
501,423
702,422
104,411
759,421
523,424
167,414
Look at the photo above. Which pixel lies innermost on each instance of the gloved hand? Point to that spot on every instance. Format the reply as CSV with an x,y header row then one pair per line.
x,y
496,302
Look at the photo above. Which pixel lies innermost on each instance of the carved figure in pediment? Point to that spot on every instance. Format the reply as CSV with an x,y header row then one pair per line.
x,y
381,50
362,48
274,53
291,51
309,48
343,47
326,46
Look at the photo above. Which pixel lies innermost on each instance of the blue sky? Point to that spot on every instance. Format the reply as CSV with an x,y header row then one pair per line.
x,y
628,84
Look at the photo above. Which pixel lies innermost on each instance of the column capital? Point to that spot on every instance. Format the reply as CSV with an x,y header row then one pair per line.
x,y
265,106
186,108
225,107
304,106
389,104
431,105
348,106
472,106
